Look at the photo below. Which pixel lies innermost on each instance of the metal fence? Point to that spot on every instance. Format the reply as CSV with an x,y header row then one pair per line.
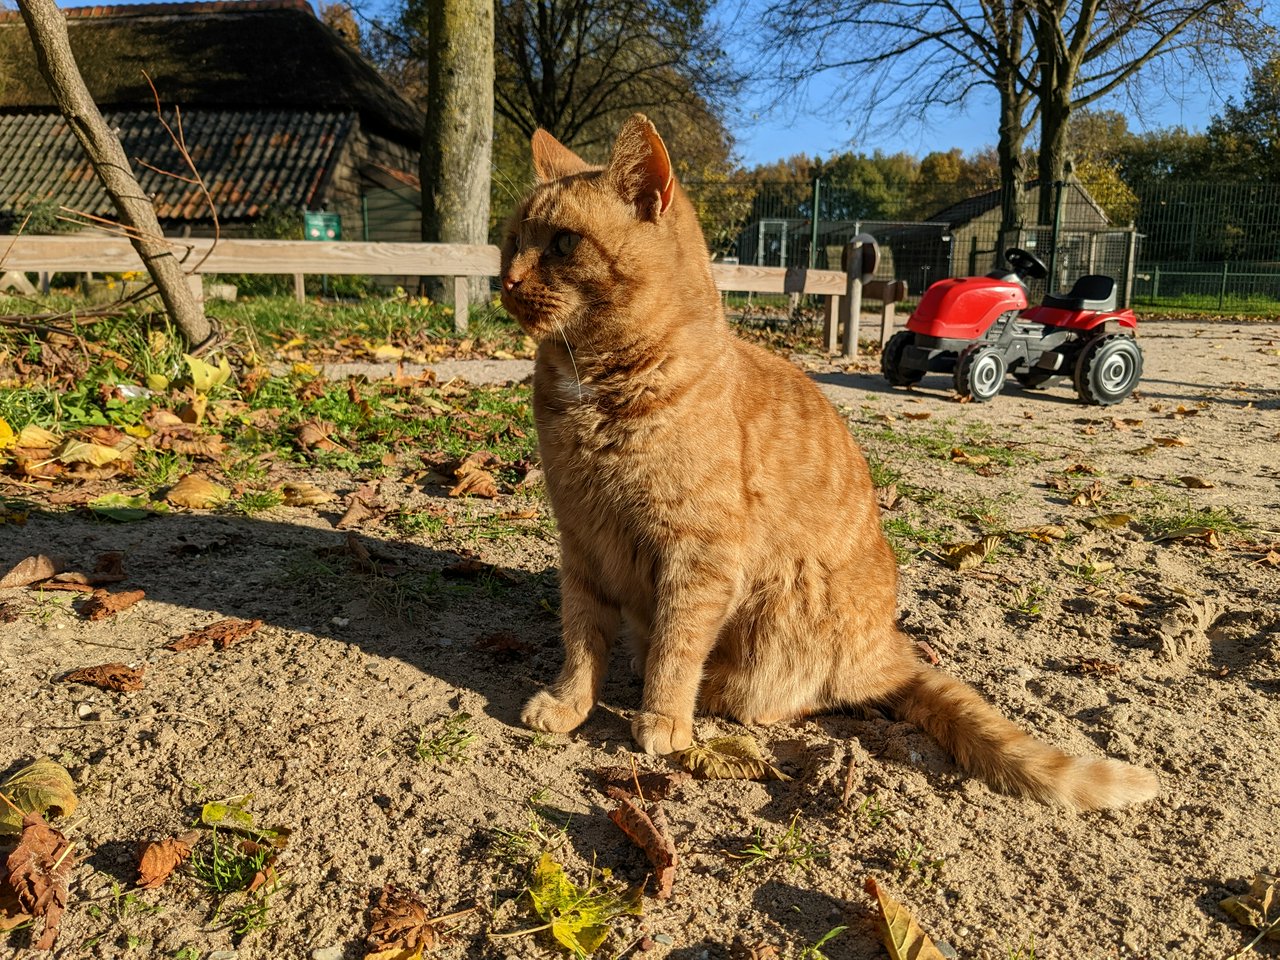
x,y
1168,244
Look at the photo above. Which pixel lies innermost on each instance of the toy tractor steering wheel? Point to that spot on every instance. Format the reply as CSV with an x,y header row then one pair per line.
x,y
1025,263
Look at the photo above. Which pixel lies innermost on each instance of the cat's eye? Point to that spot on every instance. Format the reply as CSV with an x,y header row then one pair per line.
x,y
564,243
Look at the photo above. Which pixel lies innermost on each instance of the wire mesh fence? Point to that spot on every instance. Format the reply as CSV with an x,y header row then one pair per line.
x,y
1175,245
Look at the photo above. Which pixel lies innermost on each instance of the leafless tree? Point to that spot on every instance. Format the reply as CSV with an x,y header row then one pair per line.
x,y
57,65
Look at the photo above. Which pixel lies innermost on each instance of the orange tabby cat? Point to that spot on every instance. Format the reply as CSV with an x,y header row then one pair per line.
x,y
709,495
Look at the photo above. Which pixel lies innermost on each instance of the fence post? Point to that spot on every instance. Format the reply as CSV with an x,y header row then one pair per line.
x,y
1222,288
1058,203
813,233
1155,286
461,303
1130,264
299,288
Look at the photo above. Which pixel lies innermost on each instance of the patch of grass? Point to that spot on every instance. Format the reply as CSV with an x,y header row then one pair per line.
x,y
870,812
1172,522
252,915
914,863
1025,951
256,501
187,953
906,538
153,469
540,834
448,743
1025,599
791,848
420,523
245,470
45,607
223,866
938,441
881,473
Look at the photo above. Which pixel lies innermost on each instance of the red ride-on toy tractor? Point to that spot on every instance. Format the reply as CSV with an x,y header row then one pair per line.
x,y
980,328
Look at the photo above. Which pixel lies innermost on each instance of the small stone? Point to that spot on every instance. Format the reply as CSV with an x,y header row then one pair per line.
x,y
327,953
85,711
946,949
223,955
663,938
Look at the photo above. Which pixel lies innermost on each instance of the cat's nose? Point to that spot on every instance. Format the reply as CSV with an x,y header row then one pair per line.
x,y
510,282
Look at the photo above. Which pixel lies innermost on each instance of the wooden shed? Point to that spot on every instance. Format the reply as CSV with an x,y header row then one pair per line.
x,y
279,113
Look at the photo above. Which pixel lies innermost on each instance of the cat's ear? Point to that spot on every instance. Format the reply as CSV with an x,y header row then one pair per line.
x,y
552,159
640,169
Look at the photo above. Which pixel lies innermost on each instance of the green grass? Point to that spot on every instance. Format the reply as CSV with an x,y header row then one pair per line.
x,y
937,441
422,523
1174,521
870,813
907,538
223,867
256,501
814,950
447,741
790,848
915,863
153,469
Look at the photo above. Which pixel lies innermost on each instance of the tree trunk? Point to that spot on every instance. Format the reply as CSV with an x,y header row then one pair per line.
x,y
457,144
48,29
1057,83
1012,169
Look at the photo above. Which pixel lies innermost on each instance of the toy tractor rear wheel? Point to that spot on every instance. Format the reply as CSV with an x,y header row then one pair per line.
x,y
980,372
1108,369
891,360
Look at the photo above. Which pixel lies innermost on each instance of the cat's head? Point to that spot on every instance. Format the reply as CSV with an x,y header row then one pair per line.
x,y
588,240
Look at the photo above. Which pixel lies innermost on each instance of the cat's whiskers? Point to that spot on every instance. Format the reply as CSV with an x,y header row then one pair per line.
x,y
569,347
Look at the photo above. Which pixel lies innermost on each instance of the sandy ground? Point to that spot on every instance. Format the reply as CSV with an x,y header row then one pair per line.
x,y
1163,653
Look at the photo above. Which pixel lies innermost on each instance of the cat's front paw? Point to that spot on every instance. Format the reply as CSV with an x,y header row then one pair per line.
x,y
546,711
660,734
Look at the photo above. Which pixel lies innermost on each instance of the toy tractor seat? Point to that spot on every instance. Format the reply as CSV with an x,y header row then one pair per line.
x,y
1091,292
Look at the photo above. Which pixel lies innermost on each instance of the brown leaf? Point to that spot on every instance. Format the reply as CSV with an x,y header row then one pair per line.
x,y
1259,908
729,758
959,455
619,782
314,435
399,921
1090,497
1107,521
107,676
299,494
648,831
1270,559
888,497
475,483
159,858
1171,441
1044,533
222,633
1197,483
470,568
927,653
362,506
31,570
195,491
39,868
1132,600
108,568
1105,668
967,556
105,604
504,645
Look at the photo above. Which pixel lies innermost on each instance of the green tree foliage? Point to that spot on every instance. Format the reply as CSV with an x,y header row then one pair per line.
x,y
1244,141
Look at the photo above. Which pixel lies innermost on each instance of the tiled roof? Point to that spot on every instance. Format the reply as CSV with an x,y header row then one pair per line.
x,y
224,55
250,161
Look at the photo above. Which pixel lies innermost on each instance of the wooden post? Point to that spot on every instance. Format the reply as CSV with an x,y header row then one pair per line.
x,y
299,288
831,321
461,304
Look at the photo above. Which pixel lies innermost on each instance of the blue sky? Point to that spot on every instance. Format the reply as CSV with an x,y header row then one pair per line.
x,y
772,126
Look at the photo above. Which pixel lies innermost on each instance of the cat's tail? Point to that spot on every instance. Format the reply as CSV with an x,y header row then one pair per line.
x,y
989,746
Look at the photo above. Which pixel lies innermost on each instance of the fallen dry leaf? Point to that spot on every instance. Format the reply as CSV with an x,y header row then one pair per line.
x,y
362,506
314,435
888,497
399,926
475,483
505,645
647,829
1205,536
1107,521
1132,600
967,556
1270,559
729,758
469,568
159,858
299,494
109,568
1197,483
81,451
620,782
1170,441
42,787
1260,907
29,571
922,415
959,455
195,491
105,604
1105,668
1090,497
38,870
107,676
221,633
902,935
1045,533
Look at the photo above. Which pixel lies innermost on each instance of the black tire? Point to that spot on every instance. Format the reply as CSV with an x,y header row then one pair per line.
x,y
1108,369
1033,379
891,360
980,372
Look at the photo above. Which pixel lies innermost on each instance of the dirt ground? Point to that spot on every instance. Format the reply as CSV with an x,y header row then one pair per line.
x,y
1161,652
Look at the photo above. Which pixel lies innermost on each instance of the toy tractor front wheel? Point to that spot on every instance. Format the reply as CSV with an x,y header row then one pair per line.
x,y
1108,369
891,360
980,372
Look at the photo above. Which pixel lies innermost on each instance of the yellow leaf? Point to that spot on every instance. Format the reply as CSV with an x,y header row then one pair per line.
x,y
385,352
299,494
205,376
966,556
81,451
197,492
1260,907
157,382
729,758
37,438
1107,521
292,344
1132,600
7,438
396,953
43,787
902,935
1045,533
